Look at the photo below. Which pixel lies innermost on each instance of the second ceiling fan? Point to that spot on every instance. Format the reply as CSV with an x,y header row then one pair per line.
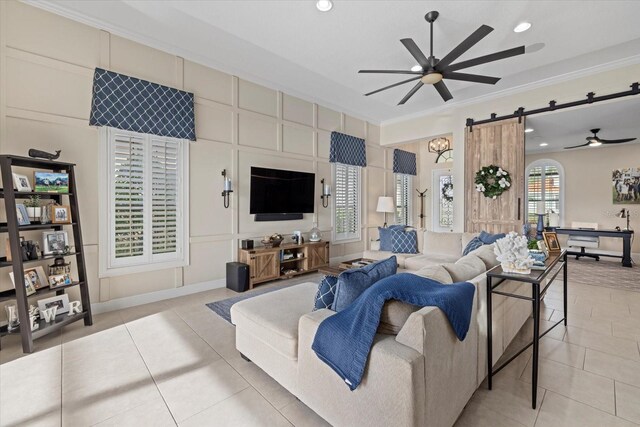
x,y
595,140
434,70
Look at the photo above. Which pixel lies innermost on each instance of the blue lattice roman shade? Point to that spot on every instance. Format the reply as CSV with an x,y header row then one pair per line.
x,y
404,162
347,149
124,102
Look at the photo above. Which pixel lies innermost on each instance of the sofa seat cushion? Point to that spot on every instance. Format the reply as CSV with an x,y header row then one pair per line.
x,y
380,255
466,268
395,313
273,317
420,261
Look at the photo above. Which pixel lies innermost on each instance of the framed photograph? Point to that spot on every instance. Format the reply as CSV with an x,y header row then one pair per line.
x,y
51,182
54,242
626,186
23,216
34,279
60,214
551,241
60,301
21,182
59,280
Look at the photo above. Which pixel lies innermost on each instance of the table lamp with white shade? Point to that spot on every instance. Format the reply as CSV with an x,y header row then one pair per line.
x,y
385,204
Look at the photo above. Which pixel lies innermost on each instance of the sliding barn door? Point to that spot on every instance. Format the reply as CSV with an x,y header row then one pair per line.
x,y
500,144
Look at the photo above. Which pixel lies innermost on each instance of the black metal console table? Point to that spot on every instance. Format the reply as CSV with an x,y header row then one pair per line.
x,y
496,277
625,235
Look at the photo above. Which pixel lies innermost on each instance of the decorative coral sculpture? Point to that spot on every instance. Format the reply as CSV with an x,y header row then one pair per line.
x,y
513,254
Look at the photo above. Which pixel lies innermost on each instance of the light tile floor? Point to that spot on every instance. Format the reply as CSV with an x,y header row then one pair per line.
x,y
174,362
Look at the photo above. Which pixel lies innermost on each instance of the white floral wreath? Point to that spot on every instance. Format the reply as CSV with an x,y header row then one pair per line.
x,y
492,181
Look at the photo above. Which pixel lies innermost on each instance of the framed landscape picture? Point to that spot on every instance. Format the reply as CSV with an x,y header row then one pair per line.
x,y
51,182
626,186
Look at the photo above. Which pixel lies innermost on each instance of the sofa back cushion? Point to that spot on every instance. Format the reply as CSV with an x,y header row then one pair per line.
x,y
352,283
466,268
442,243
486,254
395,313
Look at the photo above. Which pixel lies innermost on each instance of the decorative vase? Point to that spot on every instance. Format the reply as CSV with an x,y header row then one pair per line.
x,y
513,253
12,317
314,234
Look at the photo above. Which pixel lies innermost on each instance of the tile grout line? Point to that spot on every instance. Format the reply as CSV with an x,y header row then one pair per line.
x,y
544,394
150,374
615,401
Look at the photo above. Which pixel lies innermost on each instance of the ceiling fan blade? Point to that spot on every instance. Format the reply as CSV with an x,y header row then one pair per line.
x,y
393,85
411,92
577,146
443,90
389,72
487,58
466,44
617,141
471,78
415,51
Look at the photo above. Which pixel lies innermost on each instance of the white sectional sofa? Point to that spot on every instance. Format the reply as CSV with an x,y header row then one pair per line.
x,y
423,376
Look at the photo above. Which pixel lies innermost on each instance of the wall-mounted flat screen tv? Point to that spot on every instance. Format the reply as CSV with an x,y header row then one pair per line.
x,y
275,191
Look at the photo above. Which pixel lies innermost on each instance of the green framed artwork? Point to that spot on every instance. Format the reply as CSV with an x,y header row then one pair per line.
x,y
51,182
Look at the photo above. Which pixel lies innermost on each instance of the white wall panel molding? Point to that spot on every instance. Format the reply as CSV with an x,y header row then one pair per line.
x,y
38,116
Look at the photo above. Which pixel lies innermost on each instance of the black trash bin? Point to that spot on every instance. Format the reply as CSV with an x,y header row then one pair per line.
x,y
237,276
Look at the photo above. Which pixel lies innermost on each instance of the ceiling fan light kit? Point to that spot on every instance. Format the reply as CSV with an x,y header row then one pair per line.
x,y
432,71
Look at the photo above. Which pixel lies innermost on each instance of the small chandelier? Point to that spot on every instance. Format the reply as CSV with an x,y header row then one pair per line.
x,y
439,145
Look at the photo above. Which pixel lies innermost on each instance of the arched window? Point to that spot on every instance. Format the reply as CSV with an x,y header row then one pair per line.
x,y
545,181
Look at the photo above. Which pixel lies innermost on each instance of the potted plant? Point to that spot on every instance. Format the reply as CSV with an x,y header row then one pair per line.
x,y
33,208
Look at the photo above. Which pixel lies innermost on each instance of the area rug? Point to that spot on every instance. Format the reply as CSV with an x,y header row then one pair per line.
x,y
605,273
223,307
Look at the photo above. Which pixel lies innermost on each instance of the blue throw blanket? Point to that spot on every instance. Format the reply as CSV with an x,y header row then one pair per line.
x,y
343,341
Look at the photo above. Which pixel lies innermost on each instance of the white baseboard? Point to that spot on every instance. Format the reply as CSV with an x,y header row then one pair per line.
x,y
134,300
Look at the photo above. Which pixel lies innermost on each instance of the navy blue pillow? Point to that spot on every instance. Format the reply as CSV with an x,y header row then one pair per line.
x,y
404,241
385,236
326,293
474,244
488,238
352,283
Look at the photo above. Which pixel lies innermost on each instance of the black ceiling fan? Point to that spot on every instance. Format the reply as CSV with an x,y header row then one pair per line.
x,y
595,141
434,70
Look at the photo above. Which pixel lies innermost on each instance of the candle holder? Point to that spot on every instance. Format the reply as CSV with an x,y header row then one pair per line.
x,y
326,193
227,188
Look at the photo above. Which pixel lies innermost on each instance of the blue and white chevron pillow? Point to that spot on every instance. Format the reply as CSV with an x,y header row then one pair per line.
x,y
326,292
404,241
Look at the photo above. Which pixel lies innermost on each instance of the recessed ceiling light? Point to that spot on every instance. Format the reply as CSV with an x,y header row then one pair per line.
x,y
416,68
324,5
528,130
522,27
543,144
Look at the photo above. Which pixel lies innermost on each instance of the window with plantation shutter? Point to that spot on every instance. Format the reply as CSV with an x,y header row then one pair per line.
x,y
403,199
145,193
544,183
346,202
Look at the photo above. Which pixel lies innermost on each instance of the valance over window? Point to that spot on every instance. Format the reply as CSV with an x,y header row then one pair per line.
x,y
127,103
404,162
347,149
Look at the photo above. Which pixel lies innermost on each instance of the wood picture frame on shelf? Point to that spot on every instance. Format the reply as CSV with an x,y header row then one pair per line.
x,y
60,214
21,183
59,281
34,279
551,241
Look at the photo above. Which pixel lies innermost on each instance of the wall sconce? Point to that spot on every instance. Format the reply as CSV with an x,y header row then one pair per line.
x,y
326,193
227,188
